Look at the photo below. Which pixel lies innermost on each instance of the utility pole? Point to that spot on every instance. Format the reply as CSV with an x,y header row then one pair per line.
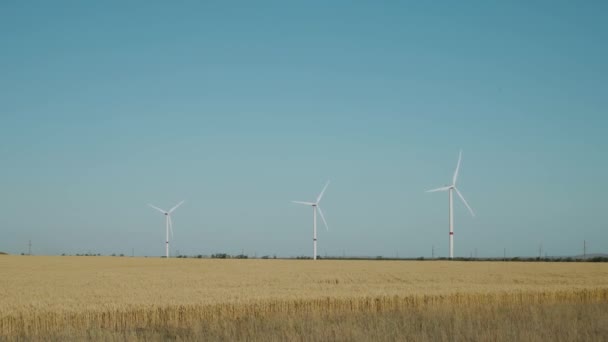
x,y
29,248
540,251
433,252
584,249
475,253
504,255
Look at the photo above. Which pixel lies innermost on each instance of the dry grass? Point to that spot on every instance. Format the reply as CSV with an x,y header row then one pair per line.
x,y
186,299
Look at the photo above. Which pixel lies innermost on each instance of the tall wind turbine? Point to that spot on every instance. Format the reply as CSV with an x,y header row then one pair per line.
x,y
169,223
315,206
451,188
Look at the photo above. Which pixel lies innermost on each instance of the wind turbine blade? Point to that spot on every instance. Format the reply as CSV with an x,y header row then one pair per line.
x,y
170,225
323,217
299,202
445,188
178,204
465,202
457,168
322,192
157,208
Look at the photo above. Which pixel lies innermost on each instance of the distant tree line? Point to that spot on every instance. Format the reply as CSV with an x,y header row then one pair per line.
x,y
216,256
379,257
92,254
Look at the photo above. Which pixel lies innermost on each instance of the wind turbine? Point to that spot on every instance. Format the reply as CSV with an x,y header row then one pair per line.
x,y
169,223
315,206
451,188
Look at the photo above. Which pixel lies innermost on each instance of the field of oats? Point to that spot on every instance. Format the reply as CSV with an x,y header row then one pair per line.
x,y
121,298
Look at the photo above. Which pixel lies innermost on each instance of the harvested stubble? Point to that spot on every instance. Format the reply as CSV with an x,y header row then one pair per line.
x,y
137,298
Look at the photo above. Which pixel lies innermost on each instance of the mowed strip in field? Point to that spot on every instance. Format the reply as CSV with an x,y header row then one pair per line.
x,y
39,294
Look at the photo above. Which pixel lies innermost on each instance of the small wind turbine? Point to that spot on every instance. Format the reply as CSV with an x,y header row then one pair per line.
x,y
315,207
169,223
451,213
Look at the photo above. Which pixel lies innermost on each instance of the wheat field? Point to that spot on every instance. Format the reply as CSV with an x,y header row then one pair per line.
x,y
121,298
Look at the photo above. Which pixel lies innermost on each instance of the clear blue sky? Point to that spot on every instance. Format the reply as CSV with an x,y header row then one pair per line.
x,y
240,107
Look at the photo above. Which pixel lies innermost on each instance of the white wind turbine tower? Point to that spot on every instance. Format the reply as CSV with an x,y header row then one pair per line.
x,y
315,206
451,188
169,223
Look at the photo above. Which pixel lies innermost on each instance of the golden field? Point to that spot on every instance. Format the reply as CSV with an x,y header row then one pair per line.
x,y
122,298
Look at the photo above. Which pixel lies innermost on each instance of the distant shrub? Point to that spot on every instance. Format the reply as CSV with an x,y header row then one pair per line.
x,y
599,259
